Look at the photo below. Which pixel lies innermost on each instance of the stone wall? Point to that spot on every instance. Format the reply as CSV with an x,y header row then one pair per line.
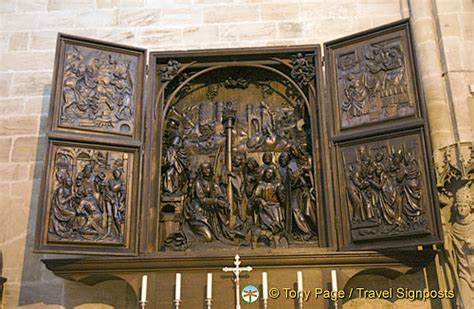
x,y
28,30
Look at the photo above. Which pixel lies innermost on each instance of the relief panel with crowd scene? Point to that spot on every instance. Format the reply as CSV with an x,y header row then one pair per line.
x,y
237,164
99,90
386,188
90,197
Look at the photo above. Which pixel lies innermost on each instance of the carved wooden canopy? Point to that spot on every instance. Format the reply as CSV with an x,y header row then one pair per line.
x,y
237,150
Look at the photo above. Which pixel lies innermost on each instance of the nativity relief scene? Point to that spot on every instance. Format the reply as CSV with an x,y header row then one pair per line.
x,y
89,201
237,164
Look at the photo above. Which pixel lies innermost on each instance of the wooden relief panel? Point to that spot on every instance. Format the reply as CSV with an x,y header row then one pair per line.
x,y
99,89
385,191
237,163
90,196
373,80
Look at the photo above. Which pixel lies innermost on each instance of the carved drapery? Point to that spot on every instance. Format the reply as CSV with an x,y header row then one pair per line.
x,y
89,201
386,188
237,166
89,191
374,82
455,175
98,90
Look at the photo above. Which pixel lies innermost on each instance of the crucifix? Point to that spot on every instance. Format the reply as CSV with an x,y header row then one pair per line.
x,y
237,270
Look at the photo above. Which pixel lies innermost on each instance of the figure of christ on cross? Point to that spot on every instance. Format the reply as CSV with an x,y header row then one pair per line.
x,y
236,271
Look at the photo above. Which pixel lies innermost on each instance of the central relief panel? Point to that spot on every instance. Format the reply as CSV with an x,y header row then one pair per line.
x,y
238,153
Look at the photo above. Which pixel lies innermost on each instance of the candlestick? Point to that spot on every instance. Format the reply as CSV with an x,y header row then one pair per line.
x,y
209,286
300,281
177,291
144,288
334,279
264,286
334,285
208,303
300,289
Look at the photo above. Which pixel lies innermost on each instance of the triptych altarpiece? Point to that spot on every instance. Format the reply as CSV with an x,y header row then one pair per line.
x,y
243,149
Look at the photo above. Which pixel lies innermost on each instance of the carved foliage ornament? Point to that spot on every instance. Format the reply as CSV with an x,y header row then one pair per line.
x,y
99,89
303,71
89,198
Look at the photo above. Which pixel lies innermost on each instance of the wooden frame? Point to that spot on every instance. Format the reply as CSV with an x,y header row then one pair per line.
x,y
397,126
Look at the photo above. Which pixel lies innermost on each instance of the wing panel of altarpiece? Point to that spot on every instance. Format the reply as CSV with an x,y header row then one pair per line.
x,y
381,149
90,193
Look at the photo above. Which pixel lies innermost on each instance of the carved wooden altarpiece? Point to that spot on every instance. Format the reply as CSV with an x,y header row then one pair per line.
x,y
237,151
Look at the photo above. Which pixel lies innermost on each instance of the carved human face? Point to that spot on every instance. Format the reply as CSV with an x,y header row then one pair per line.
x,y
267,158
237,161
269,174
206,170
284,159
117,174
463,209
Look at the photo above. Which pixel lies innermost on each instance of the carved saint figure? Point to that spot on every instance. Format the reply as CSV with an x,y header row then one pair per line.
x,y
175,160
91,216
208,209
115,201
63,212
356,94
252,177
301,196
237,181
462,238
267,201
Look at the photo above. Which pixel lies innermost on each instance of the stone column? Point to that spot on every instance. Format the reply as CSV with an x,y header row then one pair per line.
x,y
431,72
444,77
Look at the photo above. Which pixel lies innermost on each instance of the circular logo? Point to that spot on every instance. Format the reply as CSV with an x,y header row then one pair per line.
x,y
250,294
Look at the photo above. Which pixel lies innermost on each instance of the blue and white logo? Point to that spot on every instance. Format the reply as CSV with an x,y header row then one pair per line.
x,y
250,294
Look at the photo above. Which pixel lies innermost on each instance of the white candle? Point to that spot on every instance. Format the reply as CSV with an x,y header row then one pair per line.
x,y
264,286
144,287
177,292
209,286
300,281
334,280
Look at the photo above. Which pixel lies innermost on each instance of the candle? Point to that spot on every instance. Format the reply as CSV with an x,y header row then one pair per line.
x,y
177,292
144,286
300,281
264,286
334,280
209,286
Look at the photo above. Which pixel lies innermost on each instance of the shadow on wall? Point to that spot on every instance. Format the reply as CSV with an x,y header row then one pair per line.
x,y
384,279
39,285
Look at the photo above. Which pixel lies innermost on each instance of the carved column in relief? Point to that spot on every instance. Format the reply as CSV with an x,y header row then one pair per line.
x,y
455,175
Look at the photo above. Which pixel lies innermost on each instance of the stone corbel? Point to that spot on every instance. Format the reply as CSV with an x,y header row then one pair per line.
x,y
454,165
